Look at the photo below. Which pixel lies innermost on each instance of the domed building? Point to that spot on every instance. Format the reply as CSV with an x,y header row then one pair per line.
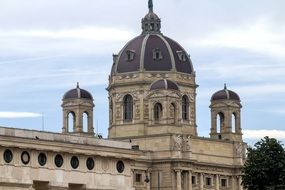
x,y
153,141
152,85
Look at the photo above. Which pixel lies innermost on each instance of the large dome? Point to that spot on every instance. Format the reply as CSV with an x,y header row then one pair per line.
x,y
152,51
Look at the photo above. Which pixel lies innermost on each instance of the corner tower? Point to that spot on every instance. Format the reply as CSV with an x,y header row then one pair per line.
x,y
152,88
77,103
226,115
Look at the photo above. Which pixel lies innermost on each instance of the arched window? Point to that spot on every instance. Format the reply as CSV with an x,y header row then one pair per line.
x,y
220,122
185,108
128,108
234,124
85,122
70,121
157,111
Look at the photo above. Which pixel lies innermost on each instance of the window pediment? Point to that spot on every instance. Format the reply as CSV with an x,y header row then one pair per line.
x,y
182,55
157,54
130,55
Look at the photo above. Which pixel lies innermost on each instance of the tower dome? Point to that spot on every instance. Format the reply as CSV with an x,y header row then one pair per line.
x,y
77,93
152,51
225,94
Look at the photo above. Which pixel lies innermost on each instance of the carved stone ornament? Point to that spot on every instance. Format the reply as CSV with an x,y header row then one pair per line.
x,y
146,110
137,112
181,143
118,112
239,150
177,139
163,93
118,97
191,97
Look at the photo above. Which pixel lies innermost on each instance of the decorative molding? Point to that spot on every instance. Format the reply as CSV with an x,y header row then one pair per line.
x,y
181,142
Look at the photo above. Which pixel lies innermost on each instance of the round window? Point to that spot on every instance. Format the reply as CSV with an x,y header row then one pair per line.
x,y
58,160
42,159
90,163
8,156
120,166
74,162
25,157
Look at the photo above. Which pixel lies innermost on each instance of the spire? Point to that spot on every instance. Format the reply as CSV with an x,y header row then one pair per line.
x,y
77,85
151,22
225,86
150,5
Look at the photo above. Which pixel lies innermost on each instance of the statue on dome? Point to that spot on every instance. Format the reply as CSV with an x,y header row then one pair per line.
x,y
150,5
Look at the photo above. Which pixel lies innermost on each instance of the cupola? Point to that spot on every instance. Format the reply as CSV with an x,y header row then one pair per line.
x,y
226,115
151,22
77,106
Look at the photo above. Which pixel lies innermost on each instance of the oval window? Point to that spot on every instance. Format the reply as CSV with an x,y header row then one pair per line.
x,y
90,163
25,157
74,162
120,166
58,160
42,159
8,156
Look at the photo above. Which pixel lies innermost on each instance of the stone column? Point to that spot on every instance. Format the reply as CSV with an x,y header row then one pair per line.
x,y
217,182
189,180
237,124
240,187
213,123
201,182
173,180
90,122
148,184
178,182
65,122
233,183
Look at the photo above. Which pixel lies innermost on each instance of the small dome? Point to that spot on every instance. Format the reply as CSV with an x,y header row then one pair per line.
x,y
164,84
77,93
225,94
151,16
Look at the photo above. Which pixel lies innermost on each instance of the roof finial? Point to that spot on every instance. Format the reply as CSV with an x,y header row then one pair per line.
x,y
150,5
225,86
77,86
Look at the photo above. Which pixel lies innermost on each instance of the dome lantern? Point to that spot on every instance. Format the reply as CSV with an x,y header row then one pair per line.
x,y
151,22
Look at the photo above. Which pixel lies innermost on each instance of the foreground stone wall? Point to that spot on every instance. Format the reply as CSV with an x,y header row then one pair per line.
x,y
35,162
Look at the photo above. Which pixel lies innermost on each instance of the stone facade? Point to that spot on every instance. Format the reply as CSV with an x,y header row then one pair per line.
x,y
153,141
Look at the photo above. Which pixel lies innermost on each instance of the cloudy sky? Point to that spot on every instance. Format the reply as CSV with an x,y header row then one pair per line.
x,y
46,46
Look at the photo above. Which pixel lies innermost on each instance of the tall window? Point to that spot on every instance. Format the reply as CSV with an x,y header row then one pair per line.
x,y
70,121
234,122
157,111
85,122
128,108
220,122
185,108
